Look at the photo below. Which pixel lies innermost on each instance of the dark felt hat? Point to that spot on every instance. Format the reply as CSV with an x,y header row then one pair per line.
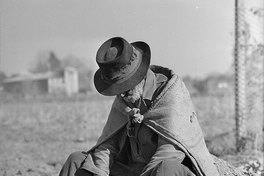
x,y
121,65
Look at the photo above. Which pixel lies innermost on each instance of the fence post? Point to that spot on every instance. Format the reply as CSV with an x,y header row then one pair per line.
x,y
239,62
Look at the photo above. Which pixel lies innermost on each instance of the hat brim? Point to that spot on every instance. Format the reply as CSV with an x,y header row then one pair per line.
x,y
115,88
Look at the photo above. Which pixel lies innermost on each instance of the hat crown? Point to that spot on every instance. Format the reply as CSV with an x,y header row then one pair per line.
x,y
115,51
111,54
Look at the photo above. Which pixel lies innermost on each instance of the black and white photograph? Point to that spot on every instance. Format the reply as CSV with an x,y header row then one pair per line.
x,y
131,88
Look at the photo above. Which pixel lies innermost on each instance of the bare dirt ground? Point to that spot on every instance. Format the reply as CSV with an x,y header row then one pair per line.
x,y
37,135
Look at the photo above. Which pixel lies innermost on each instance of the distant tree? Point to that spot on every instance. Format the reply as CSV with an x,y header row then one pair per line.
x,y
189,83
187,79
72,61
2,77
201,85
54,62
46,61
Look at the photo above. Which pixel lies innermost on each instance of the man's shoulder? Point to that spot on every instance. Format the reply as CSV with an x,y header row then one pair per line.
x,y
169,73
160,78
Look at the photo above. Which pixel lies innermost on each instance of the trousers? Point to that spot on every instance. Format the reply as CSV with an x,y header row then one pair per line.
x,y
163,168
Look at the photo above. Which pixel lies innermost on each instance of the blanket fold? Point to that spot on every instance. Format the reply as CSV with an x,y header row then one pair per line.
x,y
172,116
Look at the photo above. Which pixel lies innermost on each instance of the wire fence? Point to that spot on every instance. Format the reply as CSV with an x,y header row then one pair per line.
x,y
248,59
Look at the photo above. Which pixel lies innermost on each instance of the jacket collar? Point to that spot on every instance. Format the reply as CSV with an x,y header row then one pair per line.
x,y
152,83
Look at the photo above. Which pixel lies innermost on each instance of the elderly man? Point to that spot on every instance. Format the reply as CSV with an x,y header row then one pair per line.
x,y
152,129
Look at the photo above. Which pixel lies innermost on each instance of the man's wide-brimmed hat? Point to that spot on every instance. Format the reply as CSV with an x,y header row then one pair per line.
x,y
121,65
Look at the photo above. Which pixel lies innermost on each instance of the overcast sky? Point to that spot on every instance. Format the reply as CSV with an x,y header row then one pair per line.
x,y
193,37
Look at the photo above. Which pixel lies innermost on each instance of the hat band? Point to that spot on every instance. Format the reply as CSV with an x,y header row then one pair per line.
x,y
117,74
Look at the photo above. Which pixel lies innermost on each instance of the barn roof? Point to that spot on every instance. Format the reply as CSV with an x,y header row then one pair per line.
x,y
31,77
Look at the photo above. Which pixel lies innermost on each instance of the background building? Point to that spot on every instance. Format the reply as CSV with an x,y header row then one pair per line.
x,y
63,81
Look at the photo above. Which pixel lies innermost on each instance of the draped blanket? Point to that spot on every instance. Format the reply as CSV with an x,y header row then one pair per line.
x,y
172,116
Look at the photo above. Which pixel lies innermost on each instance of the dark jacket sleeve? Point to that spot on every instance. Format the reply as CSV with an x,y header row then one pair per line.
x,y
164,151
100,159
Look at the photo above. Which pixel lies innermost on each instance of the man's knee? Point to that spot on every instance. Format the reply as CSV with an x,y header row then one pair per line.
x,y
73,163
76,158
173,168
